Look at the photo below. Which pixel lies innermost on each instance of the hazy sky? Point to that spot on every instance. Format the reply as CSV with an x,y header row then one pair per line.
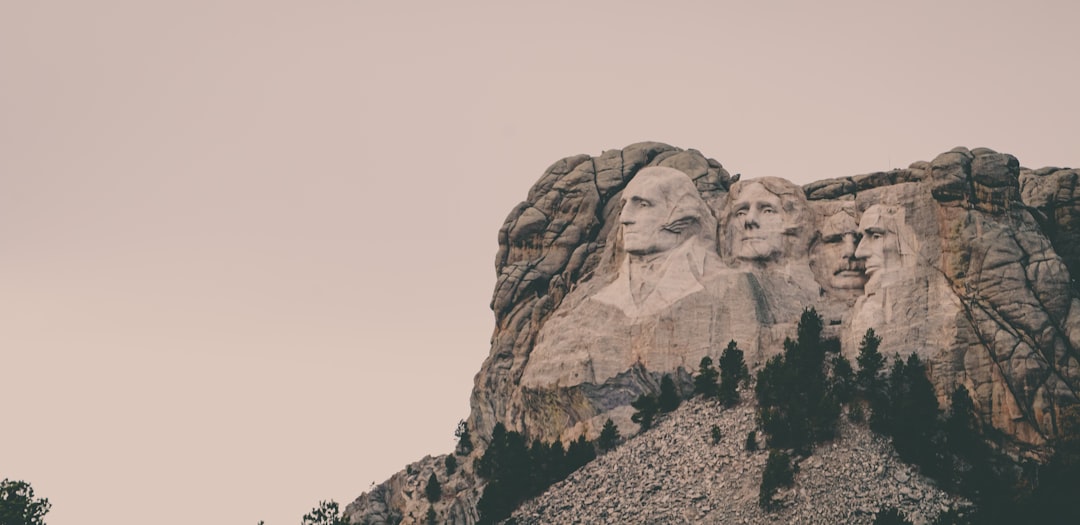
x,y
246,246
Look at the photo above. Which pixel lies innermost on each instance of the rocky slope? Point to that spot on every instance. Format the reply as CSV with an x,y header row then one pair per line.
x,y
675,474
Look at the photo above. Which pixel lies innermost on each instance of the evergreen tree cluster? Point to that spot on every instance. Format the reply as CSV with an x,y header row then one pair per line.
x,y
952,447
18,506
798,394
515,472
733,371
647,406
326,513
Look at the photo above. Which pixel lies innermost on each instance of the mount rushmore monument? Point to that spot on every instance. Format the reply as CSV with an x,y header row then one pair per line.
x,y
622,267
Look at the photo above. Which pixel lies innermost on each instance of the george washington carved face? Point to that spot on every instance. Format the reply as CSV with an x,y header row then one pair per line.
x,y
661,210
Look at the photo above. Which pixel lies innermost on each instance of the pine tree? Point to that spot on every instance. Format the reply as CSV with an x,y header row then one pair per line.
x,y
778,473
433,491
327,513
733,370
868,380
705,383
18,506
464,444
647,408
609,436
581,452
795,406
669,397
842,381
431,518
451,464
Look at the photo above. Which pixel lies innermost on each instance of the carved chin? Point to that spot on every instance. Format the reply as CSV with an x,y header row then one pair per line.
x,y
849,280
757,250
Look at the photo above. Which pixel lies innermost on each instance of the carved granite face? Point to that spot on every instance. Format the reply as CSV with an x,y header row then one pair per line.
x,y
649,202
757,224
663,215
880,245
840,237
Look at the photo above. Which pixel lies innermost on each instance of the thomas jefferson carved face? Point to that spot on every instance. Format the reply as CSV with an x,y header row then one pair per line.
x,y
661,210
839,238
757,224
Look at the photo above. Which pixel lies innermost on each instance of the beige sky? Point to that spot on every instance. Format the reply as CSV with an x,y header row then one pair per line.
x,y
246,246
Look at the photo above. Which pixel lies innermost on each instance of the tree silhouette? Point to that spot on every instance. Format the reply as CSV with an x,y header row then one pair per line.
x,y
609,436
326,513
732,371
433,490
705,382
18,505
646,409
669,397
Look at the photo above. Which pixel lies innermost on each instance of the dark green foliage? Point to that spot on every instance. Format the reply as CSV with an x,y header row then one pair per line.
x,y
609,436
1054,499
451,464
842,379
890,516
778,473
433,490
506,467
705,382
913,415
795,405
327,513
464,444
716,435
646,408
965,454
515,472
868,380
669,396
18,505
751,441
732,371
581,451
952,517
431,519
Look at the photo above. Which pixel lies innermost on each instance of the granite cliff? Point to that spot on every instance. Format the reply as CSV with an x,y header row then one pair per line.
x,y
638,262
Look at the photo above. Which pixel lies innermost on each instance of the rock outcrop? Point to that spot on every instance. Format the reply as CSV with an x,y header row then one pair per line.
x,y
620,268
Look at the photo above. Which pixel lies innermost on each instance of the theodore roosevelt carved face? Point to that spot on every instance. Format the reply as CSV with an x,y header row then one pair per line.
x,y
834,253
